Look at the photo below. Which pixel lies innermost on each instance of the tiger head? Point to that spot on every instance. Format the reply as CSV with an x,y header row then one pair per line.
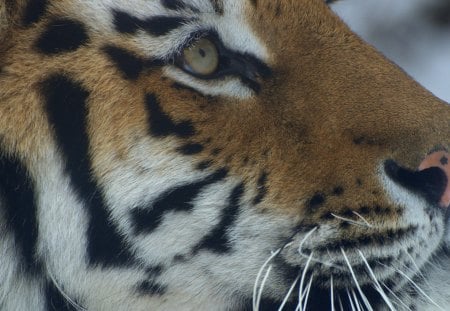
x,y
214,155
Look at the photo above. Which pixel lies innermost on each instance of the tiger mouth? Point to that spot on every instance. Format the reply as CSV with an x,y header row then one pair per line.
x,y
342,274
340,290
342,286
389,256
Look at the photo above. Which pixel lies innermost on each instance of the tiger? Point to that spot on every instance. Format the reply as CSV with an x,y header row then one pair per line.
x,y
214,155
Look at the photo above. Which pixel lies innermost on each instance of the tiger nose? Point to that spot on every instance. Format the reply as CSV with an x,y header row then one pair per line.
x,y
430,180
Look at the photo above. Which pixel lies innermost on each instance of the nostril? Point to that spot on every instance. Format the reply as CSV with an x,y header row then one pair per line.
x,y
431,182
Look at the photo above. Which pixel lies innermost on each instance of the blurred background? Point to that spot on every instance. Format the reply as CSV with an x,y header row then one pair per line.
x,y
415,34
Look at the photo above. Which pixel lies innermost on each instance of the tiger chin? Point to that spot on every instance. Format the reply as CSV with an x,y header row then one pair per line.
x,y
214,155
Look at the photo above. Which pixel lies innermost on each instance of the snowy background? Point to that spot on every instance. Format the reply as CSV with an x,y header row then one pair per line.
x,y
415,34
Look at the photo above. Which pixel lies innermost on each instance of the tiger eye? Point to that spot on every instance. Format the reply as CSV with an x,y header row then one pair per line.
x,y
201,58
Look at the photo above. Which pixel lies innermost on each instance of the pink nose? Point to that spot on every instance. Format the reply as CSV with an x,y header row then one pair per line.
x,y
439,159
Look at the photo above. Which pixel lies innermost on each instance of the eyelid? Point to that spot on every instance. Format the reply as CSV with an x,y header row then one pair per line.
x,y
241,65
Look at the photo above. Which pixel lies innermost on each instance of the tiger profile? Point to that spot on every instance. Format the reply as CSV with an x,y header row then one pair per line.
x,y
214,155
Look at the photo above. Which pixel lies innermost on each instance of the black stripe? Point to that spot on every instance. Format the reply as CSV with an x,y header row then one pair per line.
x,y
173,4
217,240
155,25
66,105
385,238
161,124
34,11
315,202
129,64
251,84
152,288
190,149
254,3
126,62
262,188
154,271
62,35
204,165
54,301
218,6
162,25
145,220
19,203
126,23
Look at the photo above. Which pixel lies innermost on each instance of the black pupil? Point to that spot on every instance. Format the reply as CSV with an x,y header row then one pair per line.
x,y
202,52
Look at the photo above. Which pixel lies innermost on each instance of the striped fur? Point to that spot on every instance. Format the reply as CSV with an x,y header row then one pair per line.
x,y
128,183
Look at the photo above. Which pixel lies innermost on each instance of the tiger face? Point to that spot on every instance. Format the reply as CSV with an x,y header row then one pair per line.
x,y
214,155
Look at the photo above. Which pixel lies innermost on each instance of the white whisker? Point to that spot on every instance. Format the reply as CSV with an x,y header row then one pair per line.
x,y
300,247
288,244
357,302
351,221
258,300
257,293
395,296
418,270
378,287
363,219
415,264
332,293
364,298
351,301
416,286
61,291
340,304
302,280
291,289
306,256
307,292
